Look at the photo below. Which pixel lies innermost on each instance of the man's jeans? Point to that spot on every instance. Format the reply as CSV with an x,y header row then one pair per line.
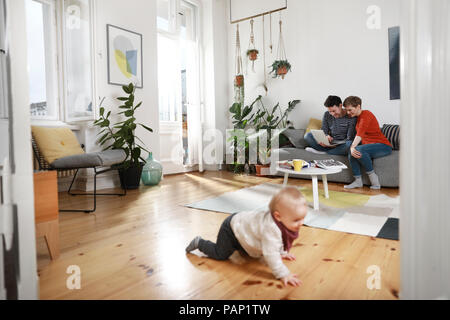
x,y
368,152
340,150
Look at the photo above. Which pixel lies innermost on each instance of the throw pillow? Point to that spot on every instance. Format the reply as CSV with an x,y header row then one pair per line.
x,y
56,143
392,133
296,137
314,124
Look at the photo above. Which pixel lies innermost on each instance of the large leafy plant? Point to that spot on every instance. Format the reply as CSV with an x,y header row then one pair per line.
x,y
239,143
266,121
263,121
121,135
272,119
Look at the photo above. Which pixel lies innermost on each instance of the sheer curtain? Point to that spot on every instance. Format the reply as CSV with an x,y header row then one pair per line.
x,y
179,85
169,80
193,101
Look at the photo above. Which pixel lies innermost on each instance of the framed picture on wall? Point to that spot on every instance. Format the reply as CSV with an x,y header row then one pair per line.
x,y
394,62
124,56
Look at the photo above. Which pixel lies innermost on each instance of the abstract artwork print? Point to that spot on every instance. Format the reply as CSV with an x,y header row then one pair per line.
x,y
124,56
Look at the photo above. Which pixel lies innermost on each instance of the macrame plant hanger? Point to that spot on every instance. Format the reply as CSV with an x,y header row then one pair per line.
x,y
271,42
283,66
264,57
252,53
239,77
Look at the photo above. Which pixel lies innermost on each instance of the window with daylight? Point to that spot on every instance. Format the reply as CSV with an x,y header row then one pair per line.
x,y
179,73
60,59
42,63
165,17
77,40
176,49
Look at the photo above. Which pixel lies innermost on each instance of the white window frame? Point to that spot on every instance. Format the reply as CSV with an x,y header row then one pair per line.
x,y
59,48
52,90
63,66
175,23
174,18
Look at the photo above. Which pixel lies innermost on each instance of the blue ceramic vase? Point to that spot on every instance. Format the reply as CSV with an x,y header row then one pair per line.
x,y
152,172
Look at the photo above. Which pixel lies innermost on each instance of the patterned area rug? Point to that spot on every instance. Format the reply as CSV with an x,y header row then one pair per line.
x,y
374,216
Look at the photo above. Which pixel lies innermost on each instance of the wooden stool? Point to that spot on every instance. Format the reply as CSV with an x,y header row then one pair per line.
x,y
46,210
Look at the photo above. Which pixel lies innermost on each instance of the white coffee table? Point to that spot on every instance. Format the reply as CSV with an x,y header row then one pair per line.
x,y
314,173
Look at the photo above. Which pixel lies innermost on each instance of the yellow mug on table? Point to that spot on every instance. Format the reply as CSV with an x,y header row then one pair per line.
x,y
298,164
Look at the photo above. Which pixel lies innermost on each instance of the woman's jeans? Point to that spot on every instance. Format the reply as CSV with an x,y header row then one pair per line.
x,y
340,150
368,152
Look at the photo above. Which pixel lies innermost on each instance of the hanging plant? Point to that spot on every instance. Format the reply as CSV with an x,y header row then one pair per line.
x,y
252,54
239,80
280,68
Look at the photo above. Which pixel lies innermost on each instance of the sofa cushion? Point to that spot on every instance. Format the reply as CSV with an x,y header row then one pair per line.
x,y
296,137
90,160
314,124
392,133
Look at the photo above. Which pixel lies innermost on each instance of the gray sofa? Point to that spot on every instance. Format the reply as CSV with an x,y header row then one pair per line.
x,y
387,168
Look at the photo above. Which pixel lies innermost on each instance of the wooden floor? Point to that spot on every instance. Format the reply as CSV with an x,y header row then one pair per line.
x,y
133,248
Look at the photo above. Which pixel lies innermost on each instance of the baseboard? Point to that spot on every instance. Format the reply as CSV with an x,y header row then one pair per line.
x,y
170,167
212,167
110,180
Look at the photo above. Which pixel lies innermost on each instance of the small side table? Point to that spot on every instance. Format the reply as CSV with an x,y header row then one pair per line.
x,y
46,210
314,173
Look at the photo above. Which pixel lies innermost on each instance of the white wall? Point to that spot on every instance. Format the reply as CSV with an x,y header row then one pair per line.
x,y
331,51
138,16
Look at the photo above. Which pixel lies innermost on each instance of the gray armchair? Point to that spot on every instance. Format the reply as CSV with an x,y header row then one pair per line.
x,y
100,162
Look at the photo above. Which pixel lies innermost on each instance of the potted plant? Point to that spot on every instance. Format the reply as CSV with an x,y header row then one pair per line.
x,y
265,123
252,54
239,80
122,136
240,144
280,68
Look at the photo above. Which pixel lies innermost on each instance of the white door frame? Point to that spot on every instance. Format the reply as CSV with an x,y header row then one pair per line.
x,y
21,186
425,136
171,131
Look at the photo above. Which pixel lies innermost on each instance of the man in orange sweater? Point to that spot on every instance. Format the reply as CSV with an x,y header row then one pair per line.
x,y
369,143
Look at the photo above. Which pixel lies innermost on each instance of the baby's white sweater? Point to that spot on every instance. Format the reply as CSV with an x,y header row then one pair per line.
x,y
260,236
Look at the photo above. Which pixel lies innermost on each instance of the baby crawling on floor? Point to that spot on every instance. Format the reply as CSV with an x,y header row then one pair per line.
x,y
261,233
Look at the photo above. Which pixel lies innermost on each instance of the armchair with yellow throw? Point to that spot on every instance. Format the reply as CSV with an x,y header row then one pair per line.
x,y
59,149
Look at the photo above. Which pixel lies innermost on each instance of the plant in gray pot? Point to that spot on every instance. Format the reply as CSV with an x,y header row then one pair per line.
x,y
122,136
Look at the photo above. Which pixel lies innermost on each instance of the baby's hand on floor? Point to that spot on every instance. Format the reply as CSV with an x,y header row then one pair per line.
x,y
288,256
292,279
